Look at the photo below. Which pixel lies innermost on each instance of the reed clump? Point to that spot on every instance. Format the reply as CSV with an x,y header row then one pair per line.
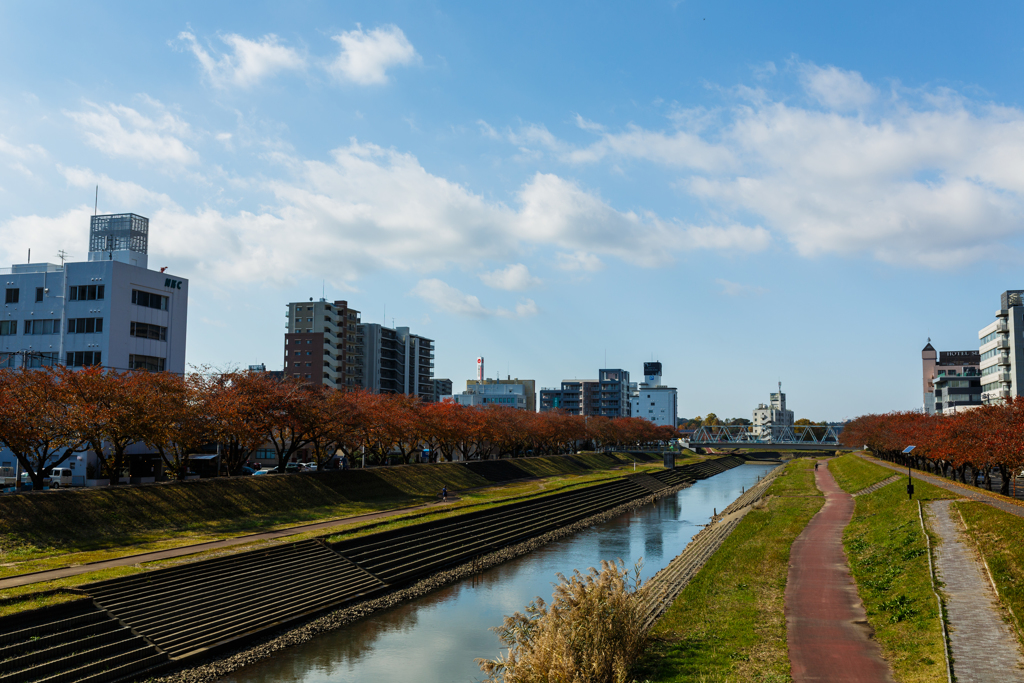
x,y
592,632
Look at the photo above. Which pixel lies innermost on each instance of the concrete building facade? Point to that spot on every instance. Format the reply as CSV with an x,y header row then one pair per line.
x,y
323,344
493,394
397,361
529,388
110,310
935,364
606,396
652,401
1001,351
774,414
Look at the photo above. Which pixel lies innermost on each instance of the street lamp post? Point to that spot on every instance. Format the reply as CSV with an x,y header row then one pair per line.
x,y
910,481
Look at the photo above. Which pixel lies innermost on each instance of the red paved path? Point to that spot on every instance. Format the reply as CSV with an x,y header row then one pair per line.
x,y
825,621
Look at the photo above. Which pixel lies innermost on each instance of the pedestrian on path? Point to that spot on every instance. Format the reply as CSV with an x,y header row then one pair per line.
x,y
815,465
444,493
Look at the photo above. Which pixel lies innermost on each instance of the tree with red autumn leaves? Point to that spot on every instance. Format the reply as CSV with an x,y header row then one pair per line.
x,y
975,441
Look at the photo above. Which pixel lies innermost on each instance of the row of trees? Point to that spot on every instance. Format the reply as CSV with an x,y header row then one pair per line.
x,y
48,415
966,446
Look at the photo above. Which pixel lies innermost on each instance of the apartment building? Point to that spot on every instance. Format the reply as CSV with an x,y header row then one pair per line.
x,y
110,310
442,388
942,364
1001,350
606,396
324,344
396,361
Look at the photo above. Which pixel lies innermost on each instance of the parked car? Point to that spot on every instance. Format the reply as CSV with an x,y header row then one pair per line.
x,y
246,470
61,476
294,467
268,470
311,467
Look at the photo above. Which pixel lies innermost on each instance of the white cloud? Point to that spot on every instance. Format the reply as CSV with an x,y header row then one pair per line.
x,y
249,62
117,195
28,152
736,289
579,260
922,177
514,278
117,130
444,297
45,236
836,88
366,56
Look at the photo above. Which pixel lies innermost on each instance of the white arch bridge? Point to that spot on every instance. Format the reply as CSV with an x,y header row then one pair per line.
x,y
740,436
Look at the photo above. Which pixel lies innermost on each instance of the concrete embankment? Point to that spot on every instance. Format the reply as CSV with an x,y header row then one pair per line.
x,y
193,613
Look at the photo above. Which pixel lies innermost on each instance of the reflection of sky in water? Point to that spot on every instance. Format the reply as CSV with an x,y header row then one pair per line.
x,y
435,639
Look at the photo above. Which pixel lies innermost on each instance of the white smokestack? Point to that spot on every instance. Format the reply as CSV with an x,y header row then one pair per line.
x,y
480,369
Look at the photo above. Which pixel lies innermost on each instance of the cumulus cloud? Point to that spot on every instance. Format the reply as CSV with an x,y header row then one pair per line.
x,y
921,177
579,261
366,56
836,88
121,131
119,195
444,297
247,63
513,278
46,235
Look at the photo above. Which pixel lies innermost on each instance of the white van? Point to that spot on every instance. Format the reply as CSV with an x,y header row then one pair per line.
x,y
61,476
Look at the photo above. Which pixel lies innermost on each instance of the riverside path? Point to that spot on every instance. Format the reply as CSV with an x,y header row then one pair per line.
x,y
984,647
826,624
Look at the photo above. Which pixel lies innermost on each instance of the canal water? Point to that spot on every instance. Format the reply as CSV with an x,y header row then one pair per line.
x,y
436,638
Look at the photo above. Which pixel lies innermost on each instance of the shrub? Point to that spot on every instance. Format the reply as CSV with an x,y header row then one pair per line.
x,y
591,633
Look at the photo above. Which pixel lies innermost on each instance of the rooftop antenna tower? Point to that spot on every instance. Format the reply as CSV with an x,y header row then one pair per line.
x,y
62,255
96,205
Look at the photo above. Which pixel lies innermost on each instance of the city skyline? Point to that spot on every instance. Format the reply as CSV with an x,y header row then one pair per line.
x,y
744,193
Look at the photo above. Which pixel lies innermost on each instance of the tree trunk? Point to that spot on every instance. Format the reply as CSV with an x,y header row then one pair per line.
x,y
1004,485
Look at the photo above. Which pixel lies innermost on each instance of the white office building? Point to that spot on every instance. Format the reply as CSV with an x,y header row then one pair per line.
x,y
652,401
774,414
111,310
1001,345
506,395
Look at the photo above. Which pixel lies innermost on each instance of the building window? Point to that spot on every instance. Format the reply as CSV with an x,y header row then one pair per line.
x,y
78,359
87,293
39,294
147,331
85,325
42,360
149,300
42,327
8,327
12,296
150,363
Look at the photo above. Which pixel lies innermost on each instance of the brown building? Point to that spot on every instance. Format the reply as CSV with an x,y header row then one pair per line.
x,y
324,344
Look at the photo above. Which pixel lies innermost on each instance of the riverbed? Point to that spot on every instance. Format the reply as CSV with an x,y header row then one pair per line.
x,y
436,638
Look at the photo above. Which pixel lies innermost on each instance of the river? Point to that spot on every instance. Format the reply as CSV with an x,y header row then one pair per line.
x,y
436,638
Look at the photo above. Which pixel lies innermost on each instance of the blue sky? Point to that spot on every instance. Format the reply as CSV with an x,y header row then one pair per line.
x,y
749,192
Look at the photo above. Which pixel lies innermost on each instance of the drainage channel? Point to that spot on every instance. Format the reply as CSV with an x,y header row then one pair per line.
x,y
439,635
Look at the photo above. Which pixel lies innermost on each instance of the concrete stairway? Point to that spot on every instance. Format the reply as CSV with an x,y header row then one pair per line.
x,y
74,642
195,607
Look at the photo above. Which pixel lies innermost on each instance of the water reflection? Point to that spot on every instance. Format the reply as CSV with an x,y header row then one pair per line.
x,y
435,639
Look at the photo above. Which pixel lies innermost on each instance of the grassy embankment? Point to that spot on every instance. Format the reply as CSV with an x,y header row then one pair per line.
x,y
888,558
729,622
39,532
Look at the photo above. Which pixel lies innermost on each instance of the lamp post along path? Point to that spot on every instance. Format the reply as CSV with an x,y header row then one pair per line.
x,y
910,481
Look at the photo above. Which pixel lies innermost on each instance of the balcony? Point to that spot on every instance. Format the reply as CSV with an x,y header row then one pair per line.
x,y
1003,343
1003,359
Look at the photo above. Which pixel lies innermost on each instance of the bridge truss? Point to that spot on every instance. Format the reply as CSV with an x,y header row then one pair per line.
x,y
826,435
